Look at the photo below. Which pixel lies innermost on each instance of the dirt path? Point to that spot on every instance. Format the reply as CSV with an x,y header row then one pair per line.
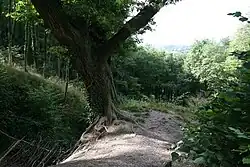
x,y
165,125
148,147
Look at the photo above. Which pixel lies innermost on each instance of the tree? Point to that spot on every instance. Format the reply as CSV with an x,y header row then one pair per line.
x,y
25,13
89,33
160,75
211,64
241,41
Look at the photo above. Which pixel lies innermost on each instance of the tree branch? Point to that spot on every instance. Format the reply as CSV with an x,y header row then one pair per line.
x,y
69,30
133,25
52,13
129,28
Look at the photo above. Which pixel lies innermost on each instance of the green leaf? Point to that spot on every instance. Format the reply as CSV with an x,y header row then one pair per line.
x,y
239,133
219,156
243,19
237,14
246,160
200,160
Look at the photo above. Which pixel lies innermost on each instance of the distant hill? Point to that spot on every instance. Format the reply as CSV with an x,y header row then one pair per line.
x,y
176,48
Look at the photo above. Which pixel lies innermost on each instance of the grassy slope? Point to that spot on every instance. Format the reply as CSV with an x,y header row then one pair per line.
x,y
34,107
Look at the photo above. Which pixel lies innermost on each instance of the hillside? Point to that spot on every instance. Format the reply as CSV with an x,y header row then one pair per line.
x,y
35,109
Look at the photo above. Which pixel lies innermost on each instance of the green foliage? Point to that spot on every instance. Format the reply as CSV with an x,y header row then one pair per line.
x,y
24,11
241,41
107,12
32,107
221,136
211,63
152,73
59,51
108,15
15,51
133,105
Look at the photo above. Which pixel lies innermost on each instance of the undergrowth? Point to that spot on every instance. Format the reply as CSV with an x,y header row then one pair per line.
x,y
33,107
145,105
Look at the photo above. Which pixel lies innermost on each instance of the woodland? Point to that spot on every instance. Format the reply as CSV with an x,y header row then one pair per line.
x,y
69,65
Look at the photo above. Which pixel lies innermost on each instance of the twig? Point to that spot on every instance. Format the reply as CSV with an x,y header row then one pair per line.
x,y
79,142
24,141
44,159
10,149
90,127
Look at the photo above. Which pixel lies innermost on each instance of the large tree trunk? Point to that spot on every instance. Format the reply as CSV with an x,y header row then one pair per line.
x,y
100,87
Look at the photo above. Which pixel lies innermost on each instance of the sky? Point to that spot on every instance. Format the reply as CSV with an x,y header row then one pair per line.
x,y
191,20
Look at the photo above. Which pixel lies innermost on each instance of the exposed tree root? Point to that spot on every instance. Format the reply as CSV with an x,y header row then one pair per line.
x,y
124,116
79,142
101,127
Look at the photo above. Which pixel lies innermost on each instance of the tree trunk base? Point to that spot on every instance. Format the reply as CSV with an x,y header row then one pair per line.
x,y
122,122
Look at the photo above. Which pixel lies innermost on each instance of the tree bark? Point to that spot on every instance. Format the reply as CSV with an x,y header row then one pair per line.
x,y
99,84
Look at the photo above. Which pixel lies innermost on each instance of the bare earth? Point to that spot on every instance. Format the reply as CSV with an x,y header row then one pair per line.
x,y
147,147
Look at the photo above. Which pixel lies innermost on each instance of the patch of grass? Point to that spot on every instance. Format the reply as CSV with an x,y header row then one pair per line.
x,y
141,106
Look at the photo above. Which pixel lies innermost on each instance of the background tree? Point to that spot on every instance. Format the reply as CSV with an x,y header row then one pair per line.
x,y
211,63
241,41
220,135
160,75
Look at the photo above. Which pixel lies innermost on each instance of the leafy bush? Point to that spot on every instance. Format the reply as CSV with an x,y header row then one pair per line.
x,y
32,107
221,134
